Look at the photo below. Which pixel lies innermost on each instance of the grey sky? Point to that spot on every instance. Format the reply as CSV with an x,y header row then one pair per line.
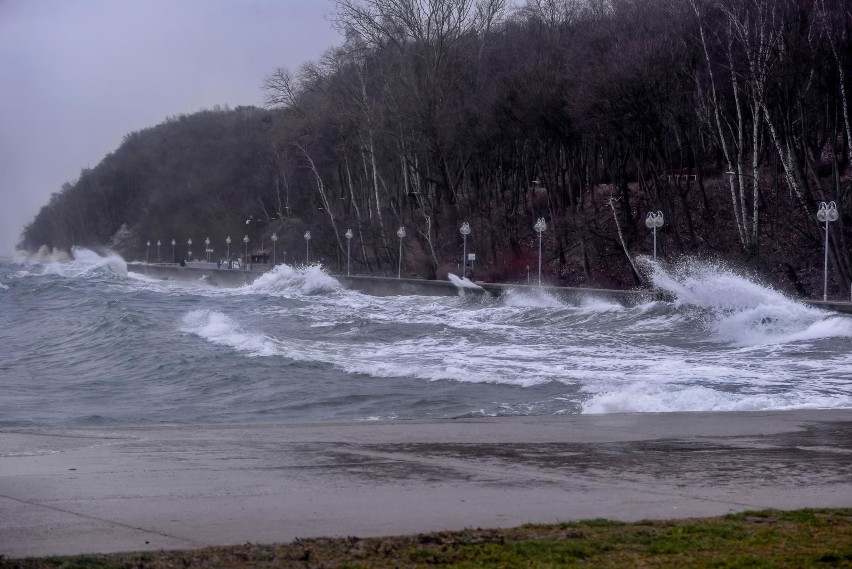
x,y
77,75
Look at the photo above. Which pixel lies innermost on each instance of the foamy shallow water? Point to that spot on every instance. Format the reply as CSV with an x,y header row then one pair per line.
x,y
89,343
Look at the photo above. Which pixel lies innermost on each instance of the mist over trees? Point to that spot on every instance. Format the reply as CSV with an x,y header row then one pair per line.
x,y
729,116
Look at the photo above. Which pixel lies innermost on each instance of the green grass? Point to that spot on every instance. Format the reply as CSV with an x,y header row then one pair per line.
x,y
768,538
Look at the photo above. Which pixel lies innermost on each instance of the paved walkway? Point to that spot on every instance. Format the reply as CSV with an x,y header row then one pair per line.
x,y
144,488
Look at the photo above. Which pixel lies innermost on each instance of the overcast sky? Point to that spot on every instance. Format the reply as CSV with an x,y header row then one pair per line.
x,y
77,75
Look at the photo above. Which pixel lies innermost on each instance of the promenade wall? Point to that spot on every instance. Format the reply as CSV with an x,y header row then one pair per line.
x,y
388,286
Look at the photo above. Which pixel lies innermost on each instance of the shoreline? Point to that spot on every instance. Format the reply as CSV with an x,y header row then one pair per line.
x,y
184,486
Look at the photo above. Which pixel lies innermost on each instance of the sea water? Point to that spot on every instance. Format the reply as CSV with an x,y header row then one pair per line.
x,y
85,342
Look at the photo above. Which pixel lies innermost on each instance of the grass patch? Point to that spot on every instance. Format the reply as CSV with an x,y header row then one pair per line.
x,y
767,538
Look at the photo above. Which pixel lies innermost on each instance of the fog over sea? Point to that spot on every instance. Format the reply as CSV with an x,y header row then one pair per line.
x,y
84,342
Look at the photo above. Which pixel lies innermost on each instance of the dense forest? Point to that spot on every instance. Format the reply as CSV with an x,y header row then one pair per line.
x,y
731,117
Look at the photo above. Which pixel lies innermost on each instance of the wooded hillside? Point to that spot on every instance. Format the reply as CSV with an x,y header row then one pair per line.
x,y
729,116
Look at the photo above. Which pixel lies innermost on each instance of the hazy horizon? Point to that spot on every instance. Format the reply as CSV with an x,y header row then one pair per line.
x,y
82,75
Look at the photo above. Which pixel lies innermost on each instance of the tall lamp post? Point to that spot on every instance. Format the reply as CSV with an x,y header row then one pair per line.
x,y
400,233
246,258
228,243
207,247
307,247
158,249
147,248
274,240
465,231
173,250
348,236
540,226
652,222
827,212
189,248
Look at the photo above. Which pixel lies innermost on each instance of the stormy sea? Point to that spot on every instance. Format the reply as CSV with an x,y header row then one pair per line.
x,y
85,342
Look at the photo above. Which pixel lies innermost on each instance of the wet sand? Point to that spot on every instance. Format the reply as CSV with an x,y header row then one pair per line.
x,y
65,491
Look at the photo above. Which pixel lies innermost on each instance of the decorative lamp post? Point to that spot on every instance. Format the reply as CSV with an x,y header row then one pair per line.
x,y
189,248
245,264
173,250
652,222
207,247
274,240
228,242
400,233
539,226
465,231
158,249
827,212
307,247
147,248
348,236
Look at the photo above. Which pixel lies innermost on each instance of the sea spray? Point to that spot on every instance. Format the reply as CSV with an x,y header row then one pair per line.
x,y
286,280
742,312
84,262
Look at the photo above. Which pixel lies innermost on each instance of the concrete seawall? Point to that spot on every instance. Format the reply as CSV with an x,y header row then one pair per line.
x,y
388,286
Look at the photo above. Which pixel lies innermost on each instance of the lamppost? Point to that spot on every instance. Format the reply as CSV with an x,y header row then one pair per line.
x,y
827,212
207,247
189,248
652,222
400,233
307,247
465,231
173,251
274,239
245,264
147,248
539,226
228,242
158,250
348,236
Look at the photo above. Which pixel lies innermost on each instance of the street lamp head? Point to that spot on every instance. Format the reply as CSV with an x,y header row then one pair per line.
x,y
158,243
207,241
228,239
827,211
148,243
465,228
540,225
654,219
400,232
274,237
245,239
189,241
307,235
174,242
348,234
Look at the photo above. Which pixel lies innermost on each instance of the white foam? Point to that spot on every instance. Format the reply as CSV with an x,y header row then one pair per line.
x,y
742,312
284,280
531,297
222,330
84,263
429,359
733,346
597,305
645,398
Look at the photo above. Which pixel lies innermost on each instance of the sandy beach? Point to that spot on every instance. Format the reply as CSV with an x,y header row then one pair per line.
x,y
65,491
